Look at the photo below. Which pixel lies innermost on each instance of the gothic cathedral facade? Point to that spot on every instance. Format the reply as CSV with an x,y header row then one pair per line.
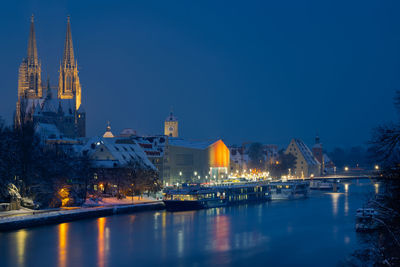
x,y
62,108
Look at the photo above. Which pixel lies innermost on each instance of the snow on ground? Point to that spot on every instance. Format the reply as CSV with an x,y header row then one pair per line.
x,y
89,205
21,211
47,215
112,201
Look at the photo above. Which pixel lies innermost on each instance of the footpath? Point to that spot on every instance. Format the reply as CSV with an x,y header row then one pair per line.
x,y
24,218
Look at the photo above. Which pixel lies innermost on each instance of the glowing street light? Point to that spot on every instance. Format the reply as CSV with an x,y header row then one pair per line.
x,y
346,168
376,167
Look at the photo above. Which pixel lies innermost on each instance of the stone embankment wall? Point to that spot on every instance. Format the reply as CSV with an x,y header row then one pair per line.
x,y
14,223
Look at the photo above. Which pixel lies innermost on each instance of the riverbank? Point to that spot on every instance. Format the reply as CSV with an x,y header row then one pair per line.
x,y
10,223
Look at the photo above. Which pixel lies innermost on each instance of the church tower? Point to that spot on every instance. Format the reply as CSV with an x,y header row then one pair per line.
x,y
29,76
318,153
171,126
69,86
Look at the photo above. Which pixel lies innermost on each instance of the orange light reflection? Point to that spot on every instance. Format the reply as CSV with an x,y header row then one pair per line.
x,y
62,244
101,223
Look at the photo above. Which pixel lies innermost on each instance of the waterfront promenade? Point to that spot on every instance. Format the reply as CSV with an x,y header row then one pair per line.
x,y
17,219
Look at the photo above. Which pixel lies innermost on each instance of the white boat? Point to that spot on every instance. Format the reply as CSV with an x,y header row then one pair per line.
x,y
288,190
366,220
323,185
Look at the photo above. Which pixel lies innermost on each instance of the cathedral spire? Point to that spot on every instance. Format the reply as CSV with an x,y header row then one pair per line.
x,y
68,58
29,75
68,85
32,49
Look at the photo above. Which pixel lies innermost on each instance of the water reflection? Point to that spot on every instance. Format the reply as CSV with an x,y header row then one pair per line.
x,y
103,238
62,244
248,240
21,245
335,198
180,243
376,186
221,233
346,188
156,216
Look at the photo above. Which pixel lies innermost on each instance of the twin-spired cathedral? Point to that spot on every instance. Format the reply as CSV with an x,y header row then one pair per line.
x,y
61,106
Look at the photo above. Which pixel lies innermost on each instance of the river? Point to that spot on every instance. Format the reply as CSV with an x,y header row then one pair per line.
x,y
316,231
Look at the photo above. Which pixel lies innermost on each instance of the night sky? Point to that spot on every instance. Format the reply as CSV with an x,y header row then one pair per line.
x,y
263,71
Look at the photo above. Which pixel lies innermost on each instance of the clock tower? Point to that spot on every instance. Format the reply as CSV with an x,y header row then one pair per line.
x,y
171,126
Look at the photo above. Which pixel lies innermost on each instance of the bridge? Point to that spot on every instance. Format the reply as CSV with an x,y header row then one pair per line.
x,y
341,176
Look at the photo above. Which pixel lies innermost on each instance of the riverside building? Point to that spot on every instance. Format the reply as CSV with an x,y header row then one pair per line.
x,y
306,164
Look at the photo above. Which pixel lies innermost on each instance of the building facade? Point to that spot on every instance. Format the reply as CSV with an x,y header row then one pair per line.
x,y
195,161
61,106
306,164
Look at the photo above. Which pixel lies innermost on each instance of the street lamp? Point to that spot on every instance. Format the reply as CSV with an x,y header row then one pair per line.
x,y
376,167
346,168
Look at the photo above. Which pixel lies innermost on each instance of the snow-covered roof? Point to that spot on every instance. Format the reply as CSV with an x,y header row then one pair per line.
x,y
306,152
30,104
190,144
122,150
153,146
54,105
48,129
318,145
127,132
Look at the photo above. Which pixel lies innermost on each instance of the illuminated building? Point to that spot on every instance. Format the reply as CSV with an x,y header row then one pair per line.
x,y
171,126
62,107
195,161
240,159
306,164
110,157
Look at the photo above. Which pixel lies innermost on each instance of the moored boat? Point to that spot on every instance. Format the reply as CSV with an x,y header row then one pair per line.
x,y
288,190
366,220
324,185
199,197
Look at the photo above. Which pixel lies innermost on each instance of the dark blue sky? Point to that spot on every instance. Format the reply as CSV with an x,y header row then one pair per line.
x,y
240,70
